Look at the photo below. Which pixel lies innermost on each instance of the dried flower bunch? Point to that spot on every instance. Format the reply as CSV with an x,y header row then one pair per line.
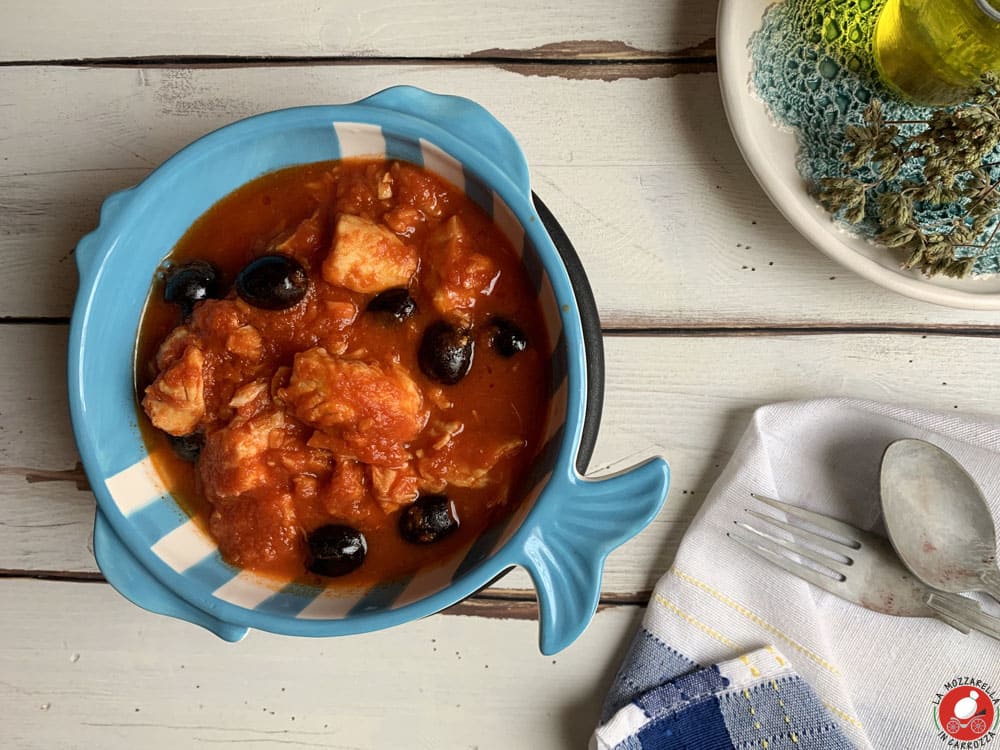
x,y
927,184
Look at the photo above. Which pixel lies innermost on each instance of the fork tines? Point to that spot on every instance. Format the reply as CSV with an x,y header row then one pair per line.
x,y
844,531
775,549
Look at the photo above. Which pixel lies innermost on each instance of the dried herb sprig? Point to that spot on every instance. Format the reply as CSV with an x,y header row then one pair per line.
x,y
953,154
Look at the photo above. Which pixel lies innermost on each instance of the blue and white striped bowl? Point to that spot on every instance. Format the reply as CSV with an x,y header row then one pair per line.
x,y
156,556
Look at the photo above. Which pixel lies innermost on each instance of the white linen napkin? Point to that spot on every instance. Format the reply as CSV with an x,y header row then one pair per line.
x,y
880,677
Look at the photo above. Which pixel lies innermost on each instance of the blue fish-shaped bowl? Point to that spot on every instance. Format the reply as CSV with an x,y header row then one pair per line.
x,y
159,558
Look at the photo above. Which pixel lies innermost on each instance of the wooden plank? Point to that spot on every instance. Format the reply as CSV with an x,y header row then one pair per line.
x,y
351,28
687,398
671,226
123,678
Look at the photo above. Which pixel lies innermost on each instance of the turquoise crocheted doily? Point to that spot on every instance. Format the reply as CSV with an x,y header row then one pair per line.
x,y
813,67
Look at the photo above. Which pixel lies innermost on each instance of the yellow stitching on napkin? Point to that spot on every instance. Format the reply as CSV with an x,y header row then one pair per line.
x,y
755,619
663,601
697,623
795,738
753,670
753,711
845,716
775,654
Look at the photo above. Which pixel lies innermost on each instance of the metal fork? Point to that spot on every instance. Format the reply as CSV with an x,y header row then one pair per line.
x,y
857,566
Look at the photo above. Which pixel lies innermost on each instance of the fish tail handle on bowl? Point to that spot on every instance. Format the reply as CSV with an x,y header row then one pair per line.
x,y
566,559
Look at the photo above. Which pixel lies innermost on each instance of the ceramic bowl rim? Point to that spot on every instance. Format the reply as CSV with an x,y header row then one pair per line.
x,y
501,558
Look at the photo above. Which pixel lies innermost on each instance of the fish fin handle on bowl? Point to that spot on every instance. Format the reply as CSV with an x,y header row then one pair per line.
x,y
465,120
135,583
566,558
88,247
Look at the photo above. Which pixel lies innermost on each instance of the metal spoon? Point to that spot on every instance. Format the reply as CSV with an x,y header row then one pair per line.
x,y
938,519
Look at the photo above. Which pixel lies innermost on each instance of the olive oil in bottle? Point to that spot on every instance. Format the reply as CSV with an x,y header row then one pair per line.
x,y
933,51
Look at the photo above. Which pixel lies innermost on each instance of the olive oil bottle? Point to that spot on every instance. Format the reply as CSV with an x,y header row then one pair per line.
x,y
933,51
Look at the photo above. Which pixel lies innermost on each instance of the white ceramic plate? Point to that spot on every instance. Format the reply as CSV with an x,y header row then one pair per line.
x,y
770,153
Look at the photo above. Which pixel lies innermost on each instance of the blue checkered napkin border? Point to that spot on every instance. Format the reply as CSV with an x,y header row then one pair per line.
x,y
661,700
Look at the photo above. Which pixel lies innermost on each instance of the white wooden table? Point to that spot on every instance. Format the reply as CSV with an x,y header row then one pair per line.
x,y
711,305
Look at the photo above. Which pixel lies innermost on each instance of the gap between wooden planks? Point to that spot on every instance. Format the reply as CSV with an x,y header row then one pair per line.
x,y
79,29
569,70
495,603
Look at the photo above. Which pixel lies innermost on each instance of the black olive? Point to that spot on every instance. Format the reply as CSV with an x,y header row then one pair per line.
x,y
430,519
191,282
336,550
445,353
396,303
188,446
272,282
508,339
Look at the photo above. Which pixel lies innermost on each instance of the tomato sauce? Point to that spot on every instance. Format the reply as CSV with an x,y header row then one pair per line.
x,y
323,412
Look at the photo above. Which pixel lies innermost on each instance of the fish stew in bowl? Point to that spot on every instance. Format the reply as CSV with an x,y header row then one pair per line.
x,y
345,376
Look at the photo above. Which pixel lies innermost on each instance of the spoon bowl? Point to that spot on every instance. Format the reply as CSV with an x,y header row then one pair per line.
x,y
937,519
